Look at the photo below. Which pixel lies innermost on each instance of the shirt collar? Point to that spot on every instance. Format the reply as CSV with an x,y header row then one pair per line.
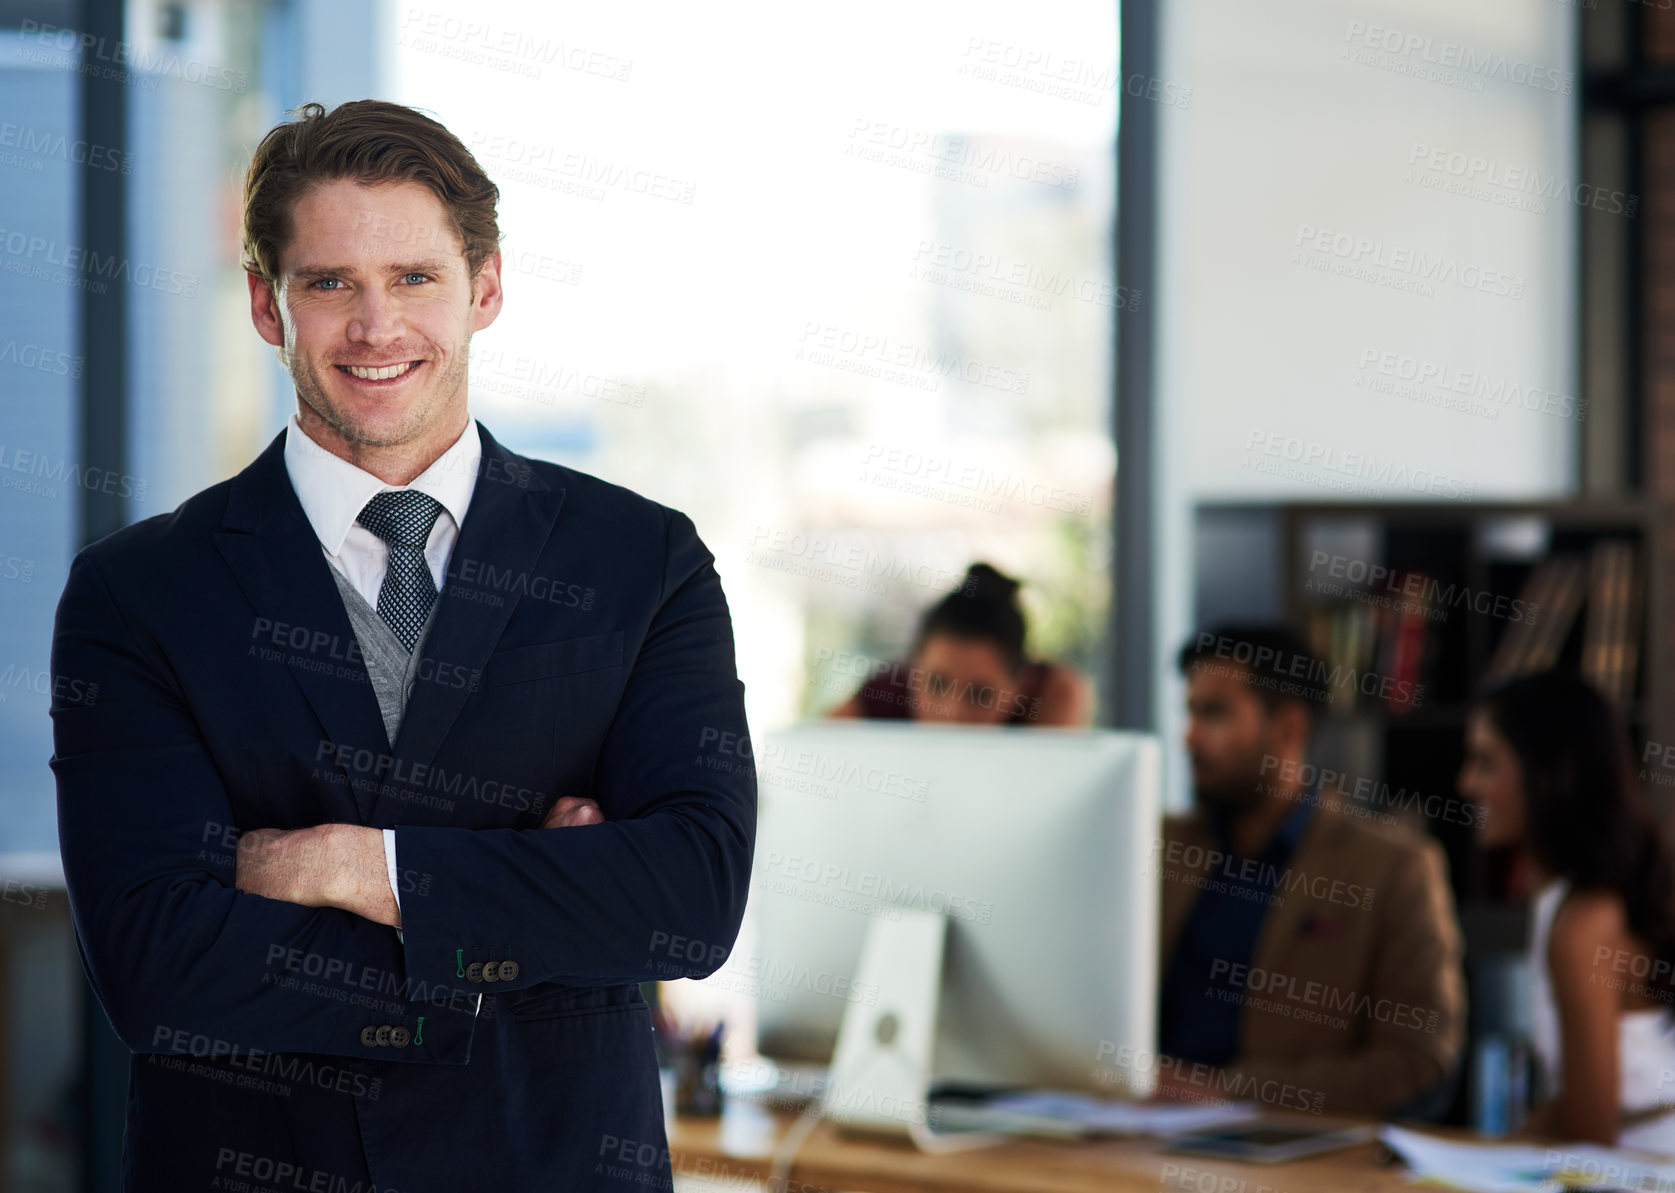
x,y
1291,829
333,491
1286,836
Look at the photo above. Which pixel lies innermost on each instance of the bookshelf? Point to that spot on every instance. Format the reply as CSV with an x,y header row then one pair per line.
x,y
1348,575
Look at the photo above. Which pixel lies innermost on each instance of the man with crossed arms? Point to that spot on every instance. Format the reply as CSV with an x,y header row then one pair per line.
x,y
385,657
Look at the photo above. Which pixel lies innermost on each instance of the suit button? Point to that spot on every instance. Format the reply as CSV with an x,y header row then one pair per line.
x,y
491,971
383,1036
369,1036
474,972
508,971
399,1036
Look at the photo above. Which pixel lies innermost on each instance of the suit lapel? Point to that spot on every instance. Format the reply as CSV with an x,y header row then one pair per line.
x,y
1281,925
509,522
268,544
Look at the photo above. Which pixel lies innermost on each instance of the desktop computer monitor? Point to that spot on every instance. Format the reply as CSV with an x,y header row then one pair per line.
x,y
1036,844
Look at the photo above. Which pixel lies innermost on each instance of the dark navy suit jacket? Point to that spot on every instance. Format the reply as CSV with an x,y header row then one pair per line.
x,y
210,683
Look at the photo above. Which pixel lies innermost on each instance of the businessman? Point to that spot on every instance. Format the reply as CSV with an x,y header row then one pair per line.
x,y
392,791
1311,957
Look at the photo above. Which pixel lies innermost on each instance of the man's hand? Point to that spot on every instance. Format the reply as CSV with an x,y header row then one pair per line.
x,y
328,865
570,812
342,865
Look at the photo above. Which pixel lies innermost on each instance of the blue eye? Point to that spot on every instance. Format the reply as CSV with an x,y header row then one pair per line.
x,y
322,282
423,277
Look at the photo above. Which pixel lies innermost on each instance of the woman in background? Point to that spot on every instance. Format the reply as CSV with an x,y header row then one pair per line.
x,y
968,665
1550,765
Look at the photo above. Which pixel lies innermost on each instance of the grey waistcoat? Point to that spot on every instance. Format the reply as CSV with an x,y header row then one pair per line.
x,y
389,666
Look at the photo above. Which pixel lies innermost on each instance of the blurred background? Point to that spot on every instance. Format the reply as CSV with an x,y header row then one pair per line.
x,y
1179,311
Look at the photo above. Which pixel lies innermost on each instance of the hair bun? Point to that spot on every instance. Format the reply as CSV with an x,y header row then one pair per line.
x,y
984,608
984,580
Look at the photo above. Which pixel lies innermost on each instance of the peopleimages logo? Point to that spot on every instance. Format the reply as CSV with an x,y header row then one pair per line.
x,y
30,252
1358,256
814,764
1425,591
1360,471
1448,382
844,553
1215,1084
1224,869
124,58
941,473
889,360
1516,186
953,158
513,50
1249,981
995,275
870,885
35,144
1477,64
777,977
1047,72
1301,675
1360,795
557,167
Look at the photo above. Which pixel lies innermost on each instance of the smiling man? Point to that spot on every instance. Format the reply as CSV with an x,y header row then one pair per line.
x,y
389,794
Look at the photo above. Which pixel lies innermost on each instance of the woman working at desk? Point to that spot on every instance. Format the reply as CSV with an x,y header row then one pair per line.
x,y
1550,765
968,665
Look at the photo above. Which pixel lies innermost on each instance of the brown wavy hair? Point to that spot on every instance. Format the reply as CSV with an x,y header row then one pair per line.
x,y
368,141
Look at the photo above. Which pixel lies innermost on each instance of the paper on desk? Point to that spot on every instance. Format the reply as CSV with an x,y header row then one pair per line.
x,y
1124,1118
1524,1167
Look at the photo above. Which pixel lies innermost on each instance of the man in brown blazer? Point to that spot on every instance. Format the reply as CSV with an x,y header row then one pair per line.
x,y
1310,951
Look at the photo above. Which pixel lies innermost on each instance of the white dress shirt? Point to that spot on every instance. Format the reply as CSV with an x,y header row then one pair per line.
x,y
333,492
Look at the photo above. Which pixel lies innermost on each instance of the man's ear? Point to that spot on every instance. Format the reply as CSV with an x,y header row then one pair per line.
x,y
264,310
486,295
1293,720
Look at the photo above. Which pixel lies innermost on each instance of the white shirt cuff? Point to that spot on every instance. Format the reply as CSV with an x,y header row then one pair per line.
x,y
389,866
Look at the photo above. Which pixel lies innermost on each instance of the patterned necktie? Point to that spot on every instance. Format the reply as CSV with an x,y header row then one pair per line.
x,y
403,519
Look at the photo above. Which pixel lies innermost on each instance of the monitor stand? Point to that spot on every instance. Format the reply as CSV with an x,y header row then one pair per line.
x,y
881,1068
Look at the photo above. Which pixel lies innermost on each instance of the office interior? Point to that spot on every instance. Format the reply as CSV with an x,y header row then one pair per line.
x,y
1183,312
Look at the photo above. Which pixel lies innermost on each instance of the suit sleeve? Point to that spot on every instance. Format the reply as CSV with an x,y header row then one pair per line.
x,y
1415,1003
657,890
181,960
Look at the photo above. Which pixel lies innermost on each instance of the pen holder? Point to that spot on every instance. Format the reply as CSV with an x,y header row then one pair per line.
x,y
697,1079
693,1060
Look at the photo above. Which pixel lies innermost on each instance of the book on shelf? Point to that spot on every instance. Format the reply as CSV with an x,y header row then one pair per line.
x,y
1376,652
1610,647
1409,647
1379,650
1552,596
1603,589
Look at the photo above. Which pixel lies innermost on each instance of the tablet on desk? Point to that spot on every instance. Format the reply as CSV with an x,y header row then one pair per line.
x,y
1270,1143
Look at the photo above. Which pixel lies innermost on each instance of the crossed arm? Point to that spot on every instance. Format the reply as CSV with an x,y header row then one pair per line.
x,y
343,865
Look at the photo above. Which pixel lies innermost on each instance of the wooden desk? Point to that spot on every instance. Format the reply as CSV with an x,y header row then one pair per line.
x,y
830,1161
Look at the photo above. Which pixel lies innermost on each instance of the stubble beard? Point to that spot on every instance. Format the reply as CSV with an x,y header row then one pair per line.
x,y
1229,799
1235,796
305,376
